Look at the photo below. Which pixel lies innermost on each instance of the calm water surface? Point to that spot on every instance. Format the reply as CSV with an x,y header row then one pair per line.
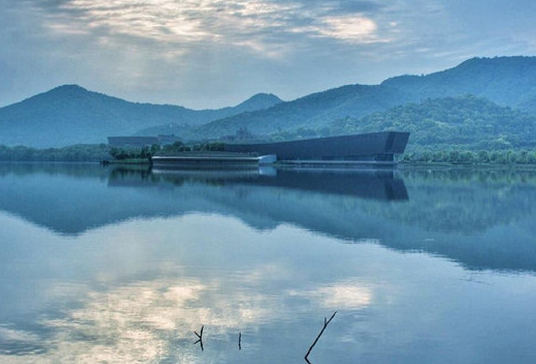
x,y
103,265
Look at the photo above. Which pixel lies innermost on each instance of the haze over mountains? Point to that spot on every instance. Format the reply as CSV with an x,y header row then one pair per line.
x,y
507,81
70,114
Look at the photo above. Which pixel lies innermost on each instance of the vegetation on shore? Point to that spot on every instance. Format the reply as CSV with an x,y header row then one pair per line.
x,y
73,153
145,153
113,155
471,157
99,152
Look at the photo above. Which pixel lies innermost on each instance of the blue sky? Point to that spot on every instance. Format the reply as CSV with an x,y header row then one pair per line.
x,y
214,53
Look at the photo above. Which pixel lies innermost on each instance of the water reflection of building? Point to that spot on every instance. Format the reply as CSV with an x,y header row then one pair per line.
x,y
370,184
469,218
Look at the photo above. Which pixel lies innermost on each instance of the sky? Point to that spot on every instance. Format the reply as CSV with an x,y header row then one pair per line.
x,y
216,53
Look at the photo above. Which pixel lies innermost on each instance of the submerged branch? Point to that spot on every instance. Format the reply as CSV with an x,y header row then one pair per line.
x,y
200,337
326,323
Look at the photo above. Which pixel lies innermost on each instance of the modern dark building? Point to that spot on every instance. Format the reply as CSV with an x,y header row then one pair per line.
x,y
371,147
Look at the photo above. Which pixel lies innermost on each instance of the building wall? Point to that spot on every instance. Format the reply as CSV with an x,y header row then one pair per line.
x,y
371,146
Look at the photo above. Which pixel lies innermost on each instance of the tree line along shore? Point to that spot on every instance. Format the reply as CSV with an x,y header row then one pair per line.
x,y
103,152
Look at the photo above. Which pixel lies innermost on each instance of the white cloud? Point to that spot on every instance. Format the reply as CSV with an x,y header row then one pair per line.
x,y
262,26
212,53
352,28
9,334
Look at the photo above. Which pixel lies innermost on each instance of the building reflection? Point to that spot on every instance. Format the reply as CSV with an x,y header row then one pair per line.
x,y
369,184
465,215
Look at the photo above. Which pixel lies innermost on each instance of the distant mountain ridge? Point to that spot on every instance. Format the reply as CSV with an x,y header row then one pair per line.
x,y
466,121
258,101
507,81
313,110
186,131
70,114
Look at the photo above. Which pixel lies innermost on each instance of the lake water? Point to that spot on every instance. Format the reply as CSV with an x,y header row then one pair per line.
x,y
104,265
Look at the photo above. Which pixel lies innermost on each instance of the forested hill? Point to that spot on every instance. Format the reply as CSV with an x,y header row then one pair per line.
x,y
186,130
315,110
507,81
466,121
71,114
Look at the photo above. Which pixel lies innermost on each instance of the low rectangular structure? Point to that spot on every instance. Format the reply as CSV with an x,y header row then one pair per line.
x,y
375,147
214,160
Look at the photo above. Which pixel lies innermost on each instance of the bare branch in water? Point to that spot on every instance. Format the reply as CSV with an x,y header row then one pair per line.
x,y
326,323
200,337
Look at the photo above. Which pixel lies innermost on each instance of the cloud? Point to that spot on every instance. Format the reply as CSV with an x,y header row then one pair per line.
x,y
212,53
8,334
134,323
138,322
339,295
262,26
355,28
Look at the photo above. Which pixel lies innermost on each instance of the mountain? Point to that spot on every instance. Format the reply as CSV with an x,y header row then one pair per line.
x,y
256,102
467,121
259,101
314,110
70,114
507,81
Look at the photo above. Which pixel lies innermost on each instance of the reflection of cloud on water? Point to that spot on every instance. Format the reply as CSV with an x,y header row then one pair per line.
x,y
135,323
342,295
147,321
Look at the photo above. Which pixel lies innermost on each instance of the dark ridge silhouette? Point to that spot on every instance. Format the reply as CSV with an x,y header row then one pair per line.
x,y
70,114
